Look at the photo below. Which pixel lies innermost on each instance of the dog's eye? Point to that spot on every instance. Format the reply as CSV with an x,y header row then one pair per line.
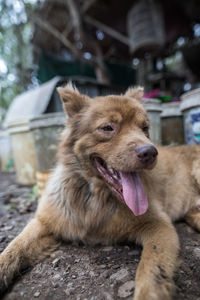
x,y
107,128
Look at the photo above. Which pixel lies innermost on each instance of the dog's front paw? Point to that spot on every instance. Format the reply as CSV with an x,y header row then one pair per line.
x,y
157,290
4,273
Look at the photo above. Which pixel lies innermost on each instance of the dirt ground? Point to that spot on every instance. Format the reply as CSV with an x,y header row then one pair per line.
x,y
80,272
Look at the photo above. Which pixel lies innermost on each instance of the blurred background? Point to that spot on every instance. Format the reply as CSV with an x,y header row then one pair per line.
x,y
149,42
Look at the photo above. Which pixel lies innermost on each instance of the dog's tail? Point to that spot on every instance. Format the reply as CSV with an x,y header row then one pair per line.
x,y
31,245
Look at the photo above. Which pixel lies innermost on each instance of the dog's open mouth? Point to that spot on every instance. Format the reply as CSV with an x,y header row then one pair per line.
x,y
126,186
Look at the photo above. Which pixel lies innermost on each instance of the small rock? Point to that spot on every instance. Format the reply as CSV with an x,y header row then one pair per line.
x,y
70,284
58,253
56,262
116,266
102,266
10,236
7,228
195,243
55,284
37,294
6,197
68,291
107,296
92,273
197,252
82,273
127,247
120,275
68,267
107,249
73,276
57,277
134,253
126,289
2,238
105,274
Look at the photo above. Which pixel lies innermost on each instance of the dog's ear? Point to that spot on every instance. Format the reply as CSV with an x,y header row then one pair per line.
x,y
136,93
72,100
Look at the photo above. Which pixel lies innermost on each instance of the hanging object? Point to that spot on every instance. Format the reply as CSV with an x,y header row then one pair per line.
x,y
145,25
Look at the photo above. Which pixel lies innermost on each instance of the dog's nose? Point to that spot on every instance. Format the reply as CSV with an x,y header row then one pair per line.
x,y
147,154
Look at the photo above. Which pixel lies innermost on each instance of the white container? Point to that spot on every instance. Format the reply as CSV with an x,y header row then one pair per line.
x,y
5,151
46,131
190,107
172,124
23,151
34,144
154,109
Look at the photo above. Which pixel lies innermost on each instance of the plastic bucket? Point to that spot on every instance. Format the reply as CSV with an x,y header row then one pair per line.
x,y
34,144
172,124
23,151
190,107
6,160
46,131
154,109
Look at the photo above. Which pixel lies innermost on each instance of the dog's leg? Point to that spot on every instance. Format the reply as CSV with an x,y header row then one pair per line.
x,y
154,276
193,215
32,244
193,218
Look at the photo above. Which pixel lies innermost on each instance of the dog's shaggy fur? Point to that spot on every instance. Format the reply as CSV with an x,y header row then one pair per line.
x,y
104,149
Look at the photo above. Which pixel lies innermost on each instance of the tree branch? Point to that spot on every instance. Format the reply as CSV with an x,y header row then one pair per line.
x,y
108,30
97,61
86,6
48,27
90,42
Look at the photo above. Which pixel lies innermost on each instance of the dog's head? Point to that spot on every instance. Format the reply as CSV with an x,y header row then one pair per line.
x,y
109,136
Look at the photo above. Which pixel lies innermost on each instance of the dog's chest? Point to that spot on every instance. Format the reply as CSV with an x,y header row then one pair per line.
x,y
81,213
89,223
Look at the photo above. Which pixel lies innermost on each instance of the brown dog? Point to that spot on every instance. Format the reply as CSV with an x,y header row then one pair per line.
x,y
107,188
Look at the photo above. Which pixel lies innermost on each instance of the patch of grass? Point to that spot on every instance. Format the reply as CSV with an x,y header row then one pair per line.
x,y
33,196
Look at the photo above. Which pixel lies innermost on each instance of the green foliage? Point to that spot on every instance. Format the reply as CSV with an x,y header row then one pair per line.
x,y
34,194
16,66
10,164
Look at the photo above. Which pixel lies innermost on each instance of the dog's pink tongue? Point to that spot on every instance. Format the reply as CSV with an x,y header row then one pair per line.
x,y
134,193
